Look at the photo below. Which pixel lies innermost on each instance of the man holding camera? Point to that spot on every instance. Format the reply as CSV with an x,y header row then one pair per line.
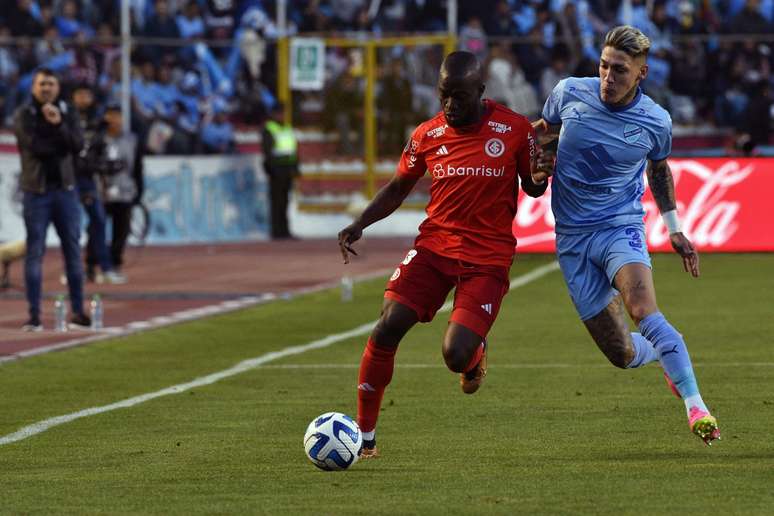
x,y
48,137
85,169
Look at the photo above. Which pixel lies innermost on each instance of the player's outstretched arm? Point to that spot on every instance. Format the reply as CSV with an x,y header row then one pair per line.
x,y
662,187
386,201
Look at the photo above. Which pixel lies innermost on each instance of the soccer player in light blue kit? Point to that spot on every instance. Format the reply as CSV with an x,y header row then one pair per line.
x,y
609,134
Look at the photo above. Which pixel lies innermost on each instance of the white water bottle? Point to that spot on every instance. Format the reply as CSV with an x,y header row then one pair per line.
x,y
346,288
60,313
97,312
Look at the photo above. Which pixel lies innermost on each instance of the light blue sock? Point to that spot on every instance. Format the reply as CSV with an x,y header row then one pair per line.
x,y
673,356
644,352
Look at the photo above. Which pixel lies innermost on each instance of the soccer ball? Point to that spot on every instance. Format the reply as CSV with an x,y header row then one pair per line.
x,y
333,441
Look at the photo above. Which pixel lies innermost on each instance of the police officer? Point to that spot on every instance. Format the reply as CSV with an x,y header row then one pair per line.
x,y
48,137
280,151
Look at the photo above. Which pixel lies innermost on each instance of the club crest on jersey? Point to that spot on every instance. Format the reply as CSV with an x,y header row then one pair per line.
x,y
499,127
438,131
632,133
494,147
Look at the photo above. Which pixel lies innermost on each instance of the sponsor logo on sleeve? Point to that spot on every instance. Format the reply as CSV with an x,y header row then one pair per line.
x,y
412,152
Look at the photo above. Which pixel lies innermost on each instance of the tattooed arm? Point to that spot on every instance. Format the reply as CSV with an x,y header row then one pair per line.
x,y
662,187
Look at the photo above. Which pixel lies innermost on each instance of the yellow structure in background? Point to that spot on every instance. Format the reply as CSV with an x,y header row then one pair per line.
x,y
369,47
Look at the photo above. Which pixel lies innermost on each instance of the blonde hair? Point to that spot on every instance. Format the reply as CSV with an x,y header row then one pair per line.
x,y
628,39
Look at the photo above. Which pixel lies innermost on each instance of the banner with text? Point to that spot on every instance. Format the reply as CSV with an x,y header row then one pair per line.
x,y
725,204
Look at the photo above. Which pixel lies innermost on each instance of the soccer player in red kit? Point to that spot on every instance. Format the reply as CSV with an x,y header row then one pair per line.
x,y
476,151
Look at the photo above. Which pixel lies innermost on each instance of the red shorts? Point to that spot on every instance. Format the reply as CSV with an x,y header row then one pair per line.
x,y
423,280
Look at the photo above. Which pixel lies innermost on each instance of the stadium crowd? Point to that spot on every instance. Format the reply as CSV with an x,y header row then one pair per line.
x,y
200,65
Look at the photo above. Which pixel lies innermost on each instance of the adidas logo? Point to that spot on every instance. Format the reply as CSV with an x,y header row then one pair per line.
x,y
366,387
442,151
487,308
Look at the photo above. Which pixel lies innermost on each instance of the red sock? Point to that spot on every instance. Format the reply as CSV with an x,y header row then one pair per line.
x,y
475,359
375,374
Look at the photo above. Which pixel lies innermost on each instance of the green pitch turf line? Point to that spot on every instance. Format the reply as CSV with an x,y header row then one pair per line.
x,y
241,367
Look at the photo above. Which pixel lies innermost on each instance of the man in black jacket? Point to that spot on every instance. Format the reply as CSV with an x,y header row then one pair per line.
x,y
48,137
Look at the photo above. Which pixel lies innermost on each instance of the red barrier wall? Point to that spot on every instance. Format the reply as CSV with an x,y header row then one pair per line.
x,y
724,204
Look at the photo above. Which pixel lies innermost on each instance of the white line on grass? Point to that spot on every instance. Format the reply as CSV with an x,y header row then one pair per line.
x,y
241,367
510,366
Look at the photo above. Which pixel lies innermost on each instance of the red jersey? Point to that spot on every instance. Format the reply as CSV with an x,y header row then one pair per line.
x,y
475,172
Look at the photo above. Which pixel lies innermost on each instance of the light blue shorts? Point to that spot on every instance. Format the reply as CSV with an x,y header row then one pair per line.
x,y
590,261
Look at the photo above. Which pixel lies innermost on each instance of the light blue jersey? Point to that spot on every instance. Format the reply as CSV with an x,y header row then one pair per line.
x,y
598,181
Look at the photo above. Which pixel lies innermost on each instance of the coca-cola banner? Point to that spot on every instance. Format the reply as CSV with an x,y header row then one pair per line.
x,y
724,204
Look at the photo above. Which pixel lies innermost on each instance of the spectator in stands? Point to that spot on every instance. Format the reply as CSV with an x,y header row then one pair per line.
x,y
219,18
756,121
9,75
252,43
188,116
48,137
50,46
46,16
143,99
533,56
110,81
506,83
83,69
96,249
161,25
166,96
395,108
68,23
343,110
190,22
558,70
217,133
280,161
314,17
425,15
120,164
501,21
473,38
21,21
344,12
749,20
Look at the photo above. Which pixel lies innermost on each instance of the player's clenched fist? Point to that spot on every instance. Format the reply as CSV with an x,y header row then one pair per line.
x,y
347,236
546,160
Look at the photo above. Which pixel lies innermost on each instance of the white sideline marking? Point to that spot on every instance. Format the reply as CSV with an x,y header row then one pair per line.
x,y
241,367
509,366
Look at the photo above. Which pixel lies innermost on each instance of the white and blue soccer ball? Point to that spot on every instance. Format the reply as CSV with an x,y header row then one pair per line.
x,y
333,441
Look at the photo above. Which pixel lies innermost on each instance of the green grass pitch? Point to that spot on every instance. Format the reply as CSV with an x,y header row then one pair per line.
x,y
554,430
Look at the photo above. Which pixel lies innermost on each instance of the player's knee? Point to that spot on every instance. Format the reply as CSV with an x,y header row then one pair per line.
x,y
392,326
639,311
455,356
